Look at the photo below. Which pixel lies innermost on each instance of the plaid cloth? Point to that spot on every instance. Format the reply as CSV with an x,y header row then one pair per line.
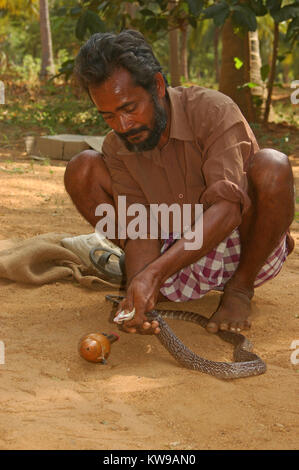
x,y
212,271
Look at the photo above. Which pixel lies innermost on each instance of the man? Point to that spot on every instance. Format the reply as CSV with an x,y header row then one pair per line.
x,y
184,146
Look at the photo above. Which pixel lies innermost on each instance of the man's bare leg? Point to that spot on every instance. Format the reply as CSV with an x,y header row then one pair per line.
x,y
271,191
88,183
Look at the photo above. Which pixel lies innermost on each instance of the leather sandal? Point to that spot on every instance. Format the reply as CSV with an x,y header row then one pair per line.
x,y
102,265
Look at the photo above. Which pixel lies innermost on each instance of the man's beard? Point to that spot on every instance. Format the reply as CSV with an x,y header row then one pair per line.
x,y
160,123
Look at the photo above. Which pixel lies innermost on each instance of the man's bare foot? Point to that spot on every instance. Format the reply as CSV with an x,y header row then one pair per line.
x,y
233,311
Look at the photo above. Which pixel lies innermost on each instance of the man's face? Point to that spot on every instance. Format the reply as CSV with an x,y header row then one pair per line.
x,y
134,114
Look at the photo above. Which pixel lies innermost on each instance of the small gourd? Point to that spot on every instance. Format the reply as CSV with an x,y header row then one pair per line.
x,y
95,347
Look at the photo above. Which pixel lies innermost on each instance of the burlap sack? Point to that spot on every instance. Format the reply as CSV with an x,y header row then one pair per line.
x,y
42,259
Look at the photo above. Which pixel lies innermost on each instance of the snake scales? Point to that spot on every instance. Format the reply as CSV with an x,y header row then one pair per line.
x,y
245,364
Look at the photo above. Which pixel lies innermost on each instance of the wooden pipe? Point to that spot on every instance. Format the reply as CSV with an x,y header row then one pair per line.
x,y
95,347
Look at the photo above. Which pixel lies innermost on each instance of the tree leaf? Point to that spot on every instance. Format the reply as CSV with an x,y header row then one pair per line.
x,y
215,9
273,5
258,7
81,27
151,24
285,13
244,16
89,21
293,31
195,6
94,23
219,12
147,12
75,10
238,63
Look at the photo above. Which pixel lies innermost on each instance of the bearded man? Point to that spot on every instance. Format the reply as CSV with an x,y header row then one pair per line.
x,y
181,146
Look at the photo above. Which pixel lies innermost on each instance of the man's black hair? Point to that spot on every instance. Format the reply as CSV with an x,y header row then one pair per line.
x,y
104,53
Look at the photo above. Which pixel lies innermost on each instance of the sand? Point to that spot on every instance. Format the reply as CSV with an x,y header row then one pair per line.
x,y
51,398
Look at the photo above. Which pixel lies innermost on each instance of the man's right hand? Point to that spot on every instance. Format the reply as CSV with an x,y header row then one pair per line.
x,y
142,294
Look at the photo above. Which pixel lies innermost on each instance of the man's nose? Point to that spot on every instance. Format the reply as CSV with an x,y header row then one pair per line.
x,y
124,123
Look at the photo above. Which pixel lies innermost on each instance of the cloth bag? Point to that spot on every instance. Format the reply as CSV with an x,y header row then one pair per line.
x,y
42,259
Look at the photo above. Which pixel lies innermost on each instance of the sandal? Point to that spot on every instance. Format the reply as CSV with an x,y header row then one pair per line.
x,y
101,263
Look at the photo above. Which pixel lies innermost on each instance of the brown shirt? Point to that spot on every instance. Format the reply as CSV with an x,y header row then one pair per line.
x,y
205,159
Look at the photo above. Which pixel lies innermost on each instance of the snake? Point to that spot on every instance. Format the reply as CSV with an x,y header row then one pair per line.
x,y
245,362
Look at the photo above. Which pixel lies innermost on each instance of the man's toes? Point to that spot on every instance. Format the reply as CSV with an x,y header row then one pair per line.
x,y
243,325
233,326
223,326
239,326
212,327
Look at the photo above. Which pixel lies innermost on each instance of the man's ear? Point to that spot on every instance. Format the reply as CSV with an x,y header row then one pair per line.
x,y
160,84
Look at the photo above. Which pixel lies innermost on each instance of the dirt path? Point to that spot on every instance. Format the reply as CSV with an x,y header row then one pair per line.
x,y
53,399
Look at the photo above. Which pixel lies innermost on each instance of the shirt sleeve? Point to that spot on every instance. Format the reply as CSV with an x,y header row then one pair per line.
x,y
226,155
123,184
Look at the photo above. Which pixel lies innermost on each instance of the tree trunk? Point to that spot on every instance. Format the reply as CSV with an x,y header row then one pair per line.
x,y
232,80
184,52
174,57
131,10
216,54
47,67
174,63
272,72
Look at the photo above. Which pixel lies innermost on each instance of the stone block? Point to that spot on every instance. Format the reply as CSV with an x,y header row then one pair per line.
x,y
62,146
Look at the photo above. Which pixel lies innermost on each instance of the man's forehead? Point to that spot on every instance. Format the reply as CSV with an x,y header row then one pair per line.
x,y
119,84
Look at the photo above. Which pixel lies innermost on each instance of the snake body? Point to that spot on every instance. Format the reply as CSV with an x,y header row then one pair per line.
x,y
245,364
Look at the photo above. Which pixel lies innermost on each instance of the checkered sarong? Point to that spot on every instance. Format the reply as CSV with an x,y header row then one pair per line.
x,y
212,271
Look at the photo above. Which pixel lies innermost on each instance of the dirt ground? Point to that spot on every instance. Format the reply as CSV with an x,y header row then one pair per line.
x,y
52,399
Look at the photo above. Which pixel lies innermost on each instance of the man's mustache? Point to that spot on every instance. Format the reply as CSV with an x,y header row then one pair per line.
x,y
132,132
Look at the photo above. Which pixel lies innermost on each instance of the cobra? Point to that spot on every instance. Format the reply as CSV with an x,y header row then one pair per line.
x,y
245,362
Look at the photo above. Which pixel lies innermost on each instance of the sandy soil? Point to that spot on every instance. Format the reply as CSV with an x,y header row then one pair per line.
x,y
53,399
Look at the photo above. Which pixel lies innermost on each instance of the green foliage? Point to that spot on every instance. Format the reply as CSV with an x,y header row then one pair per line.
x,y
219,12
51,110
244,16
90,22
29,70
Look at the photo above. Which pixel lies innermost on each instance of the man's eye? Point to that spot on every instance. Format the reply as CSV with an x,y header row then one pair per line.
x,y
130,109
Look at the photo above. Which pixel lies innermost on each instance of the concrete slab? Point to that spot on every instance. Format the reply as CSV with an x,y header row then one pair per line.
x,y
62,146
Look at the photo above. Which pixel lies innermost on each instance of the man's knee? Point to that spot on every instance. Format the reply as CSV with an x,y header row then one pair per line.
x,y
271,169
79,170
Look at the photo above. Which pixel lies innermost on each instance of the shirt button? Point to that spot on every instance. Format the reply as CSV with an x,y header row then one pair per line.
x,y
181,195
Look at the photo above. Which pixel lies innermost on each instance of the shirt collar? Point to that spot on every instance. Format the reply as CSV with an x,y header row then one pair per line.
x,y
179,125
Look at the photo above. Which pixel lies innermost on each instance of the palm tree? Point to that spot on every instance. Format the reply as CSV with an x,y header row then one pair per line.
x,y
47,67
